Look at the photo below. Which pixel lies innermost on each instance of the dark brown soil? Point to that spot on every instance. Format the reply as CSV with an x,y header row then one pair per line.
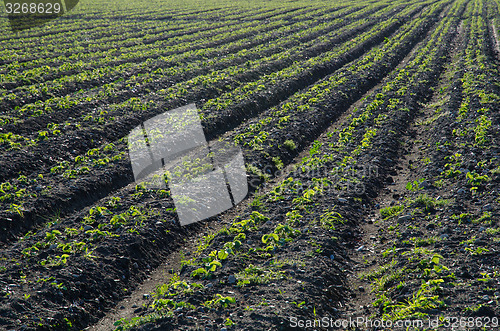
x,y
386,206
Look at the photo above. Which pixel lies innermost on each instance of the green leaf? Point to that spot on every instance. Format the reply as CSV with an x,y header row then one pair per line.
x,y
222,255
435,258
200,272
214,265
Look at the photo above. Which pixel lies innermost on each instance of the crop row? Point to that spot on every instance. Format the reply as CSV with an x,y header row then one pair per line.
x,y
306,35
344,85
388,50
191,38
377,128
65,29
120,216
147,64
209,81
469,230
99,35
82,166
97,32
232,240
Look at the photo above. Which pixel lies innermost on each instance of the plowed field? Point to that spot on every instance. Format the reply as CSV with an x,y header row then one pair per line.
x,y
370,132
